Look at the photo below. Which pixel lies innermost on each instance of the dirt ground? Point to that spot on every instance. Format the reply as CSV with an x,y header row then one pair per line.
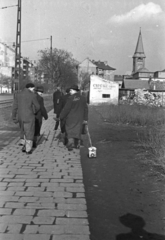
x,y
125,193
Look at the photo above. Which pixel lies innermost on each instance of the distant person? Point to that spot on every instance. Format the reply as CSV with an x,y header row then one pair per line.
x,y
25,106
62,102
75,113
56,96
42,113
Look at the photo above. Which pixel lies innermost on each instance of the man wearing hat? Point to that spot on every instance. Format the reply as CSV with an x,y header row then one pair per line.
x,y
56,98
62,101
75,112
25,106
42,113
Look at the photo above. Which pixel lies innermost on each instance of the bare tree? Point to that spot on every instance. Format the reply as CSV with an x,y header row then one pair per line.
x,y
60,67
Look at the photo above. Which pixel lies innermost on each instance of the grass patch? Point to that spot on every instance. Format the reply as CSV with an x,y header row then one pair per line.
x,y
137,115
152,139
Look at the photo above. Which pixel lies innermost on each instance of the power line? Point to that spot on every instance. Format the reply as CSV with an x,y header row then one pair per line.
x,y
9,6
36,40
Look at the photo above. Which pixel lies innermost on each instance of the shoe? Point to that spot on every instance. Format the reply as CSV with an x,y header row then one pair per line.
x,y
34,144
70,148
30,152
24,149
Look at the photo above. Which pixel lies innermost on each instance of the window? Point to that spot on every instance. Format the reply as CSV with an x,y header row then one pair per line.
x,y
105,95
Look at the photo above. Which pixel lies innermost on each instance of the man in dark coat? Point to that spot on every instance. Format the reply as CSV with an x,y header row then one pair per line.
x,y
25,106
56,96
62,102
42,113
75,112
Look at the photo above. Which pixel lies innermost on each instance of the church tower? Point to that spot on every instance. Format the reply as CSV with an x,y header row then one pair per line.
x,y
139,56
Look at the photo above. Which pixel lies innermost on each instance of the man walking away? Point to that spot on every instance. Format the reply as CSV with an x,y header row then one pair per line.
x,y
25,106
42,113
56,98
75,112
62,102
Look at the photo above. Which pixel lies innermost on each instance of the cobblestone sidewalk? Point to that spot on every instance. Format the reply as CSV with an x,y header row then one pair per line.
x,y
42,195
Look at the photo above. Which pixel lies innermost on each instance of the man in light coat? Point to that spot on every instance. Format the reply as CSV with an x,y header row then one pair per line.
x,y
75,113
25,106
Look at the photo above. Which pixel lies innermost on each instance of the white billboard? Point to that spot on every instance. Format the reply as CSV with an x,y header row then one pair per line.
x,y
103,91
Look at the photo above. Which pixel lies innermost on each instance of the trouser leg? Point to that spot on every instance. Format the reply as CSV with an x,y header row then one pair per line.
x,y
28,145
70,144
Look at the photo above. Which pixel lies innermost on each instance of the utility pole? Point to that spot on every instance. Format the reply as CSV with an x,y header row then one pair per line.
x,y
17,70
51,59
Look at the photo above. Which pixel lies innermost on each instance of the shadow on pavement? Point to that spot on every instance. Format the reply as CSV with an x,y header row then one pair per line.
x,y
136,223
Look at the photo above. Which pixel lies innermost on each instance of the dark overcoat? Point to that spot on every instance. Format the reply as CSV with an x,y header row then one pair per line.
x,y
42,113
56,97
62,102
25,106
75,112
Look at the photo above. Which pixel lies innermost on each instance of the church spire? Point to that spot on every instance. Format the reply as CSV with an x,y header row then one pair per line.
x,y
139,55
139,51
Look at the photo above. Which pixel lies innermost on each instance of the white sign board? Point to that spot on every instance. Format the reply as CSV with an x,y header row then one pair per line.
x,y
103,91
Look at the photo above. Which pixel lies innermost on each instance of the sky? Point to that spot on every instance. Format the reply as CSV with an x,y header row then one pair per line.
x,y
105,30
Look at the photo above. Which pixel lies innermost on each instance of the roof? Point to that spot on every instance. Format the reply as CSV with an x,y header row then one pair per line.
x,y
118,78
139,51
102,65
142,70
136,84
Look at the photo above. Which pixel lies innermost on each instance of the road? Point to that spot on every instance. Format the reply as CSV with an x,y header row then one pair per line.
x,y
6,97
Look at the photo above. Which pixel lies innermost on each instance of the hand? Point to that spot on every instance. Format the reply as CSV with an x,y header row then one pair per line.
x,y
85,122
15,121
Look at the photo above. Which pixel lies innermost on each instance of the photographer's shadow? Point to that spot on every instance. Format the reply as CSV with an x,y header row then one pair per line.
x,y
136,223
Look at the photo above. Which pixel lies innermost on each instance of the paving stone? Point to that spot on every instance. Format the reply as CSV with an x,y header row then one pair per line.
x,y
78,207
42,194
36,237
15,184
31,229
62,194
11,236
60,200
25,193
16,188
6,193
24,212
43,220
34,189
62,180
14,205
80,195
3,227
70,237
5,211
46,200
48,205
76,200
76,214
76,229
52,213
54,229
15,219
14,228
72,221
